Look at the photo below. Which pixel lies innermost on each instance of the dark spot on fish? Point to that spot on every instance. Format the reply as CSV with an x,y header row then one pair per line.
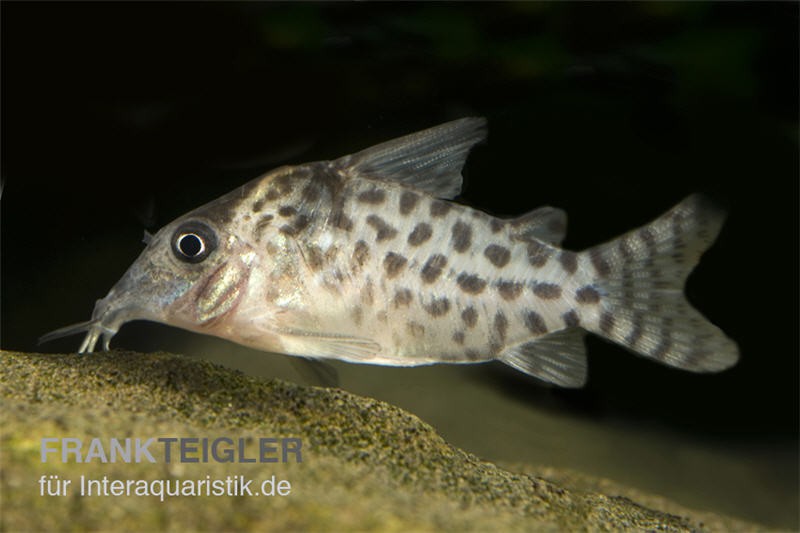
x,y
272,249
636,333
331,283
501,325
663,347
433,268
569,261
360,254
367,294
331,253
535,323
547,291
438,307
383,230
299,223
284,182
382,316
402,297
315,259
600,263
677,224
357,315
328,175
571,319
421,233
473,355
648,237
439,208
495,346
312,192
624,247
258,205
287,211
458,337
606,322
262,224
408,200
415,329
470,317
587,295
393,263
538,254
272,194
471,283
496,225
695,355
372,196
509,290
498,255
462,236
340,220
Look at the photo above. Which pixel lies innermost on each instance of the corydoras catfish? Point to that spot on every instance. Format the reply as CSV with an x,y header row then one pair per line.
x,y
365,259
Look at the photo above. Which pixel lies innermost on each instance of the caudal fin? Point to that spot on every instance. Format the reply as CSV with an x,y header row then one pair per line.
x,y
641,275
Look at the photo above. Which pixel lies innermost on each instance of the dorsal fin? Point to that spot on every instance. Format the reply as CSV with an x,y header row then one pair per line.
x,y
430,160
558,358
547,224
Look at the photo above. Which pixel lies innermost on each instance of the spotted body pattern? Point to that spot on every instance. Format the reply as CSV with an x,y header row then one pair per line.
x,y
364,259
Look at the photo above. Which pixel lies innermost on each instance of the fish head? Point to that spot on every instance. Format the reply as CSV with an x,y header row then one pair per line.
x,y
192,273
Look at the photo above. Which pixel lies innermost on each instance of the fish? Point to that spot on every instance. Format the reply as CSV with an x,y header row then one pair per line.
x,y
367,259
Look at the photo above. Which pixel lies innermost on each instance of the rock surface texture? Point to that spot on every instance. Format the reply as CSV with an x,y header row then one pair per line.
x,y
366,465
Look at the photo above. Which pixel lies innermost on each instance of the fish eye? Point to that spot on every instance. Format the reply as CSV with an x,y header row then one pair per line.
x,y
193,241
191,244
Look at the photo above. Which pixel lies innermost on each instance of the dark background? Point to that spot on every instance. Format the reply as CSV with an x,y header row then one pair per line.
x,y
118,117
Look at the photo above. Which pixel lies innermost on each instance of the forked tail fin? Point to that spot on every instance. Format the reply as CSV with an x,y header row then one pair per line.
x,y
641,275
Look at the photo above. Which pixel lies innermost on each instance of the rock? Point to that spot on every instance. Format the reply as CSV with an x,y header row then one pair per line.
x,y
366,465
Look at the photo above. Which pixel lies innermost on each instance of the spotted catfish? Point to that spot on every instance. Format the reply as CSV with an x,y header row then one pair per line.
x,y
364,259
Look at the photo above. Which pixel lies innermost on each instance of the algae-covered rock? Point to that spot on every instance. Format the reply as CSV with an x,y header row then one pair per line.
x,y
366,465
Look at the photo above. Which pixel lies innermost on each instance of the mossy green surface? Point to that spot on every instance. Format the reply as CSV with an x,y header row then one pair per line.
x,y
366,464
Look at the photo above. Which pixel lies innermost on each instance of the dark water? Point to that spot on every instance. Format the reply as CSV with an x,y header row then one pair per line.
x,y
117,117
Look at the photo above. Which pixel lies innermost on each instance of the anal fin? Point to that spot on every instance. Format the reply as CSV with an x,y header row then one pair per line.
x,y
558,358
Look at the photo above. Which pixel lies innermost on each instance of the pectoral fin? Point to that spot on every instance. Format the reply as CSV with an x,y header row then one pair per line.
x,y
315,371
329,345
